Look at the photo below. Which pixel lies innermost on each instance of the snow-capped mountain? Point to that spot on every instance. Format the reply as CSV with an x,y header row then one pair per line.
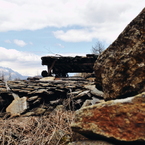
x,y
9,74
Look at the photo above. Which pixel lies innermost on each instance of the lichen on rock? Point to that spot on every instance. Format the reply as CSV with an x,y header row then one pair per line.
x,y
121,120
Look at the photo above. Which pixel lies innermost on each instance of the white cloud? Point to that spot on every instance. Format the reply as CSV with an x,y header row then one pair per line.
x,y
20,43
74,35
106,17
22,62
87,34
60,45
30,43
7,41
37,14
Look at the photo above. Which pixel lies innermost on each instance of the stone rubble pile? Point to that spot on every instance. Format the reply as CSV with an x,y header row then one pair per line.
x,y
44,94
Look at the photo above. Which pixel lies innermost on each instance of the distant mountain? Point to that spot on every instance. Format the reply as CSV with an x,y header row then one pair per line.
x,y
9,74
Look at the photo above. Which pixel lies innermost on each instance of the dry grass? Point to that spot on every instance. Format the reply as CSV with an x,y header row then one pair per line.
x,y
45,130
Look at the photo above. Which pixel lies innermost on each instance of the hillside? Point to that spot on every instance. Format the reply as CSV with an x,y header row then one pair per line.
x,y
9,74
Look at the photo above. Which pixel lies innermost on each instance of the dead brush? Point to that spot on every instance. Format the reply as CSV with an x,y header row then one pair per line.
x,y
43,130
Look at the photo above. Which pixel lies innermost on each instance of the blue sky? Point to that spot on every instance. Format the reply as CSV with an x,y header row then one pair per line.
x,y
32,29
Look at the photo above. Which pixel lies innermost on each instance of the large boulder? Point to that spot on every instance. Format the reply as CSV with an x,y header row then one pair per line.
x,y
120,69
120,120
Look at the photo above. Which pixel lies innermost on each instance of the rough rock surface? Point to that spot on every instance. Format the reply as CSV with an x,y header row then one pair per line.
x,y
121,119
18,106
120,69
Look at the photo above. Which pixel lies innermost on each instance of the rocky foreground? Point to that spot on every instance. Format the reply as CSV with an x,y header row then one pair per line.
x,y
55,100
120,75
47,94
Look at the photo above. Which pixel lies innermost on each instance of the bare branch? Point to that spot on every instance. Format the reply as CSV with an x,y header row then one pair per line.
x,y
98,48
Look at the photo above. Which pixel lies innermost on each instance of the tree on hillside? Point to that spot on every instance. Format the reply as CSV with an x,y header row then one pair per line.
x,y
98,48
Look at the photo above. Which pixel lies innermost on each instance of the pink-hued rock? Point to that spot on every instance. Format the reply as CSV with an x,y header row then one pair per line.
x,y
120,120
120,69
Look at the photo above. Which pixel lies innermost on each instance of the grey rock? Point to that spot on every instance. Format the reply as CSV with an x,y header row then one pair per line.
x,y
84,93
87,103
33,98
55,102
94,90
